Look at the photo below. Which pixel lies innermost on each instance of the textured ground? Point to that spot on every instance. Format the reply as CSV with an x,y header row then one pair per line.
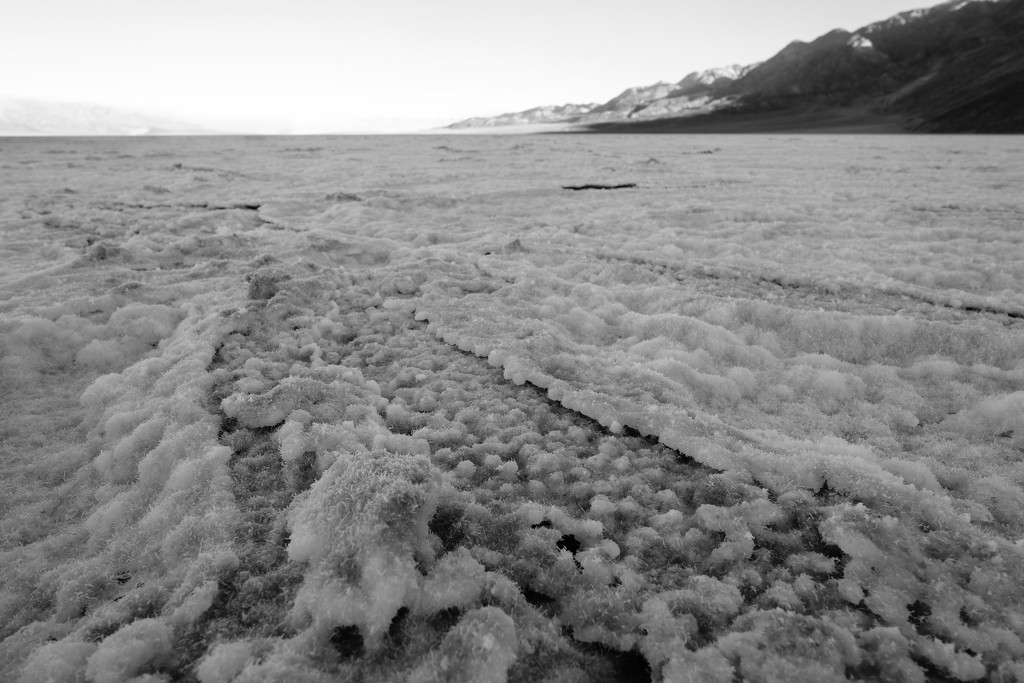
x,y
406,408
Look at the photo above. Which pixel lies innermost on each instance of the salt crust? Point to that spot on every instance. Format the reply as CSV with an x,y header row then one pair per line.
x,y
823,493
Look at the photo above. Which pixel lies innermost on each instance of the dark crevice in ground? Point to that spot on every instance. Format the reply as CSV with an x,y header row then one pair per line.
x,y
341,197
593,186
447,524
840,300
348,642
580,661
628,432
537,392
206,206
624,666
993,311
253,600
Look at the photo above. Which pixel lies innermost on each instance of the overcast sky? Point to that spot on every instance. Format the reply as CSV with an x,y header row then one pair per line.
x,y
385,64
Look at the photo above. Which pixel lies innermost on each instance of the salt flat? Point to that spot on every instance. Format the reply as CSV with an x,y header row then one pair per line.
x,y
404,408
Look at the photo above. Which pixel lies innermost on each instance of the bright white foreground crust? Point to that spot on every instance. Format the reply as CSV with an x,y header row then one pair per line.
x,y
405,409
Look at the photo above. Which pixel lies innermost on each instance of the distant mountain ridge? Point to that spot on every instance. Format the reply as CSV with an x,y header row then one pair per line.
x,y
25,117
694,91
954,67
564,112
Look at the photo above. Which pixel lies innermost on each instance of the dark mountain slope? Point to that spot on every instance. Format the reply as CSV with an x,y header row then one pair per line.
x,y
966,71
837,67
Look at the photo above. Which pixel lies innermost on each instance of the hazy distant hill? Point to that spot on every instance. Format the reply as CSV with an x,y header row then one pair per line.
x,y
32,117
535,115
954,67
698,91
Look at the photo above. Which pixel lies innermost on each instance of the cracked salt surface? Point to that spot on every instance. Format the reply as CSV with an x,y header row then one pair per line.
x,y
380,409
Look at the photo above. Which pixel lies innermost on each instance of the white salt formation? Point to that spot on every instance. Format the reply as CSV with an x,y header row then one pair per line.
x,y
379,410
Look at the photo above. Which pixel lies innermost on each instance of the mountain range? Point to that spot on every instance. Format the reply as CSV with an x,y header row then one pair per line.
x,y
955,67
24,117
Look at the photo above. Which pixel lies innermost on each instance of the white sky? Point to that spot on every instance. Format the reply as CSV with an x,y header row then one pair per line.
x,y
385,64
